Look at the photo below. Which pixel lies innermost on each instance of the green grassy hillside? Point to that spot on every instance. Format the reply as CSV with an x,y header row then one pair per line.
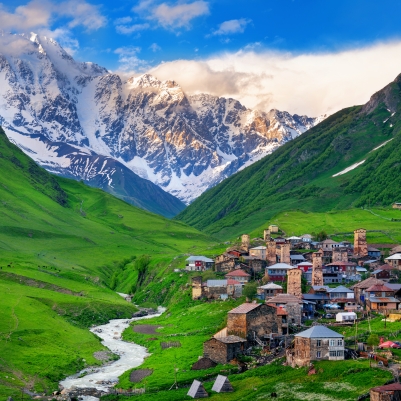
x,y
299,175
65,248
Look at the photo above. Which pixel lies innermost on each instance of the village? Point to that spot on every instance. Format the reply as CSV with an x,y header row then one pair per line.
x,y
298,291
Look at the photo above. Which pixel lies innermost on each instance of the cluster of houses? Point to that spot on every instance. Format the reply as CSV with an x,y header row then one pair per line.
x,y
279,313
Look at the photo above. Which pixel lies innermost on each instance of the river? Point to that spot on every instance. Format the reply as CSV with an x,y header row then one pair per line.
x,y
131,356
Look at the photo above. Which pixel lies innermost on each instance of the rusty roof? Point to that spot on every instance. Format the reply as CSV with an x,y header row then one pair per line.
x,y
388,387
368,283
245,308
379,287
238,273
230,281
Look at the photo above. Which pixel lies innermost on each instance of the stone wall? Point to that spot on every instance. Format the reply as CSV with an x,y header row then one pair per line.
x,y
294,282
196,287
360,245
245,242
215,350
317,272
271,252
294,313
266,235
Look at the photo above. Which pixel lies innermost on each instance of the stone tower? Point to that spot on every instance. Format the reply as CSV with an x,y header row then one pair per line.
x,y
317,271
271,252
246,242
266,235
360,245
197,287
344,255
285,253
337,257
294,282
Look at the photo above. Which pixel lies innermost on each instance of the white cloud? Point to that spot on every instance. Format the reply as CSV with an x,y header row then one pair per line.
x,y
155,47
38,14
311,84
123,20
128,29
174,16
129,60
232,26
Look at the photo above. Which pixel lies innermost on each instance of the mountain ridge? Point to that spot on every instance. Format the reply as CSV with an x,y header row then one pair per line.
x,y
182,143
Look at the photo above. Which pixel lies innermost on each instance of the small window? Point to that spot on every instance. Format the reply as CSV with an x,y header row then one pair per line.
x,y
332,353
318,354
332,343
319,343
340,343
339,353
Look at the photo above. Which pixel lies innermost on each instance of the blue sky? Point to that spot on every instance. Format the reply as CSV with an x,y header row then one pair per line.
x,y
137,36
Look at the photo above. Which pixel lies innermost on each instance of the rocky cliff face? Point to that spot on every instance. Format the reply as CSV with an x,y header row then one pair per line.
x,y
184,144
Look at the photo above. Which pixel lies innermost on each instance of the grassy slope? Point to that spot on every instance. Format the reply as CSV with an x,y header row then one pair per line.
x,y
299,174
193,322
69,238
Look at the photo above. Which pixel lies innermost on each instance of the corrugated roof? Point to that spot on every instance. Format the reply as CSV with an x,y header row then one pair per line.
x,y
378,287
238,273
387,387
297,257
371,249
396,256
383,299
319,332
394,287
283,299
259,247
231,281
216,283
245,308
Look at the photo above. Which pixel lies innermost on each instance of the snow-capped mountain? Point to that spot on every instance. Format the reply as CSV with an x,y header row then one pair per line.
x,y
184,144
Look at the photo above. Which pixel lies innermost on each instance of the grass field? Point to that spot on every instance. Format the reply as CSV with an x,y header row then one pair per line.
x,y
340,224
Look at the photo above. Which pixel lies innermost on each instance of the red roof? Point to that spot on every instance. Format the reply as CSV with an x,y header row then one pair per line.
x,y
230,281
388,387
238,273
386,267
245,308
379,287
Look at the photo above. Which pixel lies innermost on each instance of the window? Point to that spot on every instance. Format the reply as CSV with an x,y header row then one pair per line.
x,y
318,354
339,353
319,343
332,343
332,353
340,343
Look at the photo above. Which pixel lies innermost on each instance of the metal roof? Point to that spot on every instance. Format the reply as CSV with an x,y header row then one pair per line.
x,y
280,266
321,287
197,258
231,339
238,273
297,257
245,308
217,283
284,299
259,247
368,283
220,382
319,332
396,256
340,288
271,286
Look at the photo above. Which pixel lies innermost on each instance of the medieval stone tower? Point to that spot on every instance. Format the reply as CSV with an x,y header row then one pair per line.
x,y
271,252
360,245
294,282
246,242
337,257
285,253
266,235
317,271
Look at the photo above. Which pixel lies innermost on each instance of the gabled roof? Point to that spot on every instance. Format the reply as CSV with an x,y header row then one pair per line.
x,y
386,266
297,257
371,249
368,283
319,332
321,287
340,288
387,387
238,273
341,264
305,264
394,287
284,299
396,256
231,281
271,286
280,266
379,287
329,241
259,247
245,308
197,258
230,339
216,283
294,237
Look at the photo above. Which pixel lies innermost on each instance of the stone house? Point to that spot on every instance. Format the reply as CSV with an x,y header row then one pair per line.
x,y
380,297
198,263
225,262
316,344
389,392
215,289
396,205
394,260
222,349
360,289
291,304
251,320
239,275
269,290
258,252
329,245
273,228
